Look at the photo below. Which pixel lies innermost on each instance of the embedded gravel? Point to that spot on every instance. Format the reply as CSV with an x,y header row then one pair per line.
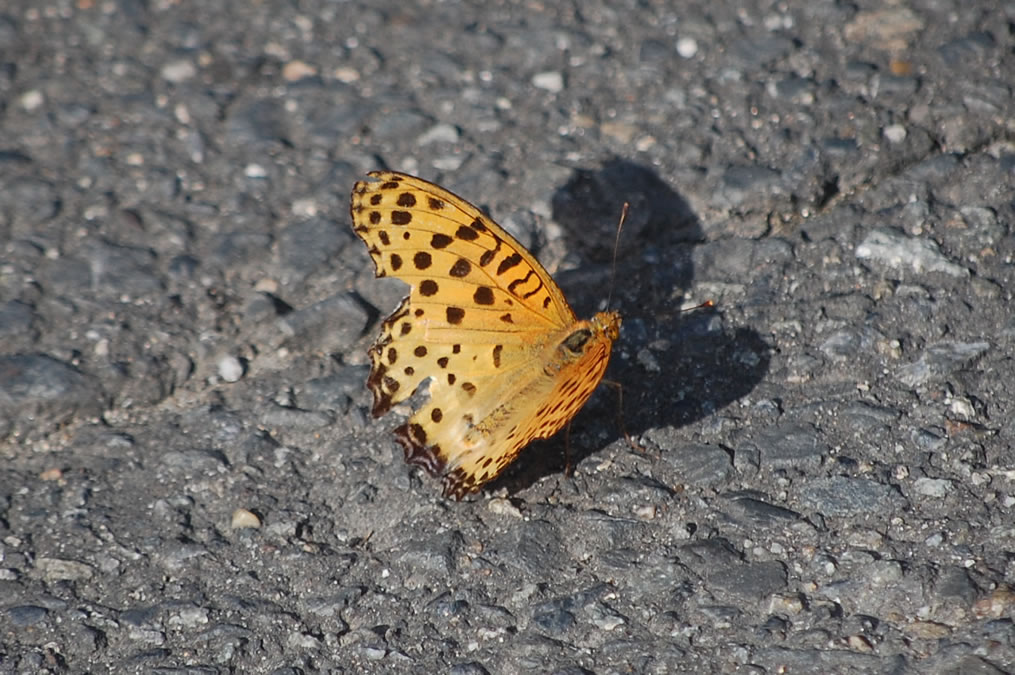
x,y
190,478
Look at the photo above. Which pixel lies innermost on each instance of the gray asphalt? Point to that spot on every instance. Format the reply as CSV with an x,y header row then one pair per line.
x,y
191,481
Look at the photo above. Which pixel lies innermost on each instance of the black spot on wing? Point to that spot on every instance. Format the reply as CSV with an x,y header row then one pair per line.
x,y
461,268
439,241
524,280
483,296
422,260
508,262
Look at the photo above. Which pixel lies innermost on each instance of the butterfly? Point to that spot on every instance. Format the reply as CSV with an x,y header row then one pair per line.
x,y
506,358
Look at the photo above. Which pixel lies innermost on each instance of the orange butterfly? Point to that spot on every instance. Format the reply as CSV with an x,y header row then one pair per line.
x,y
507,358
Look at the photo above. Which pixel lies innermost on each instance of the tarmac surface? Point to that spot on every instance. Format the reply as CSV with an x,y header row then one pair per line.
x,y
191,481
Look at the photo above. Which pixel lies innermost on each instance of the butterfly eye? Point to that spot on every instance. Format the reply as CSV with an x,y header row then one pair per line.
x,y
575,342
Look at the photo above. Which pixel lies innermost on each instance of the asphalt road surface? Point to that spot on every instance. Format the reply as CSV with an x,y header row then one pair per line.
x,y
190,478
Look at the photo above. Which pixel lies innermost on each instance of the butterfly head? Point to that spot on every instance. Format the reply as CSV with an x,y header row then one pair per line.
x,y
591,337
608,324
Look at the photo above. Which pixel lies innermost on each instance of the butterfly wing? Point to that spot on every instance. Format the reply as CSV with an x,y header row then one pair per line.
x,y
482,319
487,425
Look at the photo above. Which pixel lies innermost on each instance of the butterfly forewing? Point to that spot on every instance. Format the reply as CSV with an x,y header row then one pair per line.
x,y
420,232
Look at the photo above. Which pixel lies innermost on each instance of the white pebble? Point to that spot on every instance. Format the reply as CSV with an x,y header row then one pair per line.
x,y
255,171
31,100
551,81
962,407
440,133
178,71
687,47
895,133
230,368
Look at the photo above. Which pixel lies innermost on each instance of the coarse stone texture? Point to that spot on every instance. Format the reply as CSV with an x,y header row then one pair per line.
x,y
823,481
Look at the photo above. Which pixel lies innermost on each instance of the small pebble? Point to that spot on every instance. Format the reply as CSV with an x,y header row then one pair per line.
x,y
178,71
551,81
245,520
687,47
230,369
294,71
895,133
31,100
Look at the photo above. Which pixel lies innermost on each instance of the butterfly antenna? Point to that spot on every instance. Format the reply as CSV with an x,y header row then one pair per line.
x,y
616,247
708,304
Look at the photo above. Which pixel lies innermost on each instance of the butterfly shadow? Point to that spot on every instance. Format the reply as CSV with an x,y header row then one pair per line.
x,y
674,367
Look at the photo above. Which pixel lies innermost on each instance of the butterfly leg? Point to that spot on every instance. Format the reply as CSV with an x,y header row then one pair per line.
x,y
620,413
568,469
